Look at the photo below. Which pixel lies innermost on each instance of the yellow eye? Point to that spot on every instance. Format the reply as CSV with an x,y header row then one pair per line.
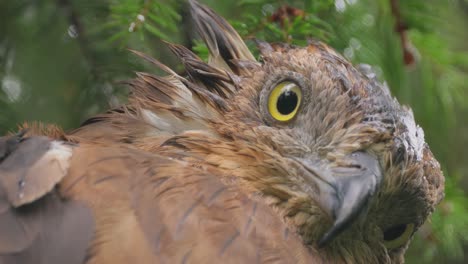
x,y
396,236
284,101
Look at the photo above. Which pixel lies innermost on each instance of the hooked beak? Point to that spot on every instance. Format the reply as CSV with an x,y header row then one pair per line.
x,y
344,191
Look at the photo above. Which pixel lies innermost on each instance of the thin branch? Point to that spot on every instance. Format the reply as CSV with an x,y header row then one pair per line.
x,y
401,27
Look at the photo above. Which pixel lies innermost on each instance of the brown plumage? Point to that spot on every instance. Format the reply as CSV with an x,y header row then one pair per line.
x,y
297,158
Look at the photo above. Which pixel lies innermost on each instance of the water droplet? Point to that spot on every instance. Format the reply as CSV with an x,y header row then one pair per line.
x,y
21,184
340,5
12,87
132,27
349,52
268,9
72,31
368,20
355,43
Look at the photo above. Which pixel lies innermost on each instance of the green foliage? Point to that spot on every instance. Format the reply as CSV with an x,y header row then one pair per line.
x,y
443,238
201,49
143,17
6,113
277,23
450,222
66,61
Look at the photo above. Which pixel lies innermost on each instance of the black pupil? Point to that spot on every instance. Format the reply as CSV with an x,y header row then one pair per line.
x,y
394,232
287,102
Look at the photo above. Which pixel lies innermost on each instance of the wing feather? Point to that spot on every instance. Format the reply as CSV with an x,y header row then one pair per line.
x,y
36,224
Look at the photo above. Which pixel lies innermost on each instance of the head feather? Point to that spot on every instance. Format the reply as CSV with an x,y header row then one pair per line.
x,y
223,42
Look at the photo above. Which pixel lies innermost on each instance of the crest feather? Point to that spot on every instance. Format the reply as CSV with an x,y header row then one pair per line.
x,y
182,102
214,79
223,42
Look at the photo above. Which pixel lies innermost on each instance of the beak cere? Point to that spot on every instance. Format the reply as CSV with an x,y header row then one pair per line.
x,y
344,191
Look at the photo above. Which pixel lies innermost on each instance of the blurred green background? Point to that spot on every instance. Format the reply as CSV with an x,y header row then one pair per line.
x,y
61,61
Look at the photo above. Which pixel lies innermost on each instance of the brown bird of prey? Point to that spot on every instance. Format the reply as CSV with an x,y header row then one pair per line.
x,y
298,157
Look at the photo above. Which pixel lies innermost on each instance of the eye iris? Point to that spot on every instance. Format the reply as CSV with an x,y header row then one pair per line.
x,y
287,102
284,101
394,232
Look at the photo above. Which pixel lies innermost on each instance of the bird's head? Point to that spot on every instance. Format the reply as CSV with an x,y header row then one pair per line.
x,y
356,174
319,140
